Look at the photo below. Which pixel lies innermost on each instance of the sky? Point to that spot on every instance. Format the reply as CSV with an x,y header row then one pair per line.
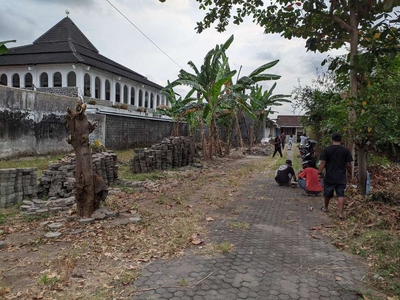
x,y
167,26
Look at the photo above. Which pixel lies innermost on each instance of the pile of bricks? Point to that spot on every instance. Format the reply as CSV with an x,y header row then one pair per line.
x,y
172,152
58,181
16,185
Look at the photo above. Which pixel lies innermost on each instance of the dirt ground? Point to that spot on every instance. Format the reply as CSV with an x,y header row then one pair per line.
x,y
98,261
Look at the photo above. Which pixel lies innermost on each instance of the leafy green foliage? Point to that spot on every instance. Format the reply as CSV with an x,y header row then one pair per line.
x,y
3,48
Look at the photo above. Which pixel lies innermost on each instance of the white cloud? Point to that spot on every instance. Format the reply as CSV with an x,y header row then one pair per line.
x,y
170,26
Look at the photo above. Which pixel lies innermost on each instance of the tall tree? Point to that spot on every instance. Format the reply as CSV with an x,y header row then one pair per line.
x,y
325,26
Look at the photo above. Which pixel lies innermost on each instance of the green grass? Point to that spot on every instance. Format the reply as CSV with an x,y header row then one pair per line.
x,y
2,218
224,247
384,248
238,225
31,218
48,280
39,162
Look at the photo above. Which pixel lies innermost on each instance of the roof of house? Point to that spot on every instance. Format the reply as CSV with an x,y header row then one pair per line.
x,y
65,43
289,121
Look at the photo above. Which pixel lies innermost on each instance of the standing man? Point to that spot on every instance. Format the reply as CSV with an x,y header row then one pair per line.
x,y
277,144
283,139
303,141
336,159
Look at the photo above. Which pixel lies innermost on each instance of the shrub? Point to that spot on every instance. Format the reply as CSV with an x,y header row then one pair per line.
x,y
124,106
97,147
92,102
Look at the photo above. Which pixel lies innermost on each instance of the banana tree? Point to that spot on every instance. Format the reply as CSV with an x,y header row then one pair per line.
x,y
209,83
261,104
239,89
178,108
3,48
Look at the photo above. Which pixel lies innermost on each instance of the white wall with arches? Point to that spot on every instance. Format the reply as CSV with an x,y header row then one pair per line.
x,y
89,81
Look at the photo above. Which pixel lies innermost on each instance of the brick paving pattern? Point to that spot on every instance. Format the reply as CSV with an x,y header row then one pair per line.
x,y
276,258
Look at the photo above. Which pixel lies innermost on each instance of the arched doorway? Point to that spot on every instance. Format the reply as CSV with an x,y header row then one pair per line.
x,y
28,80
86,86
15,80
44,80
57,79
117,92
3,79
97,87
125,94
71,79
108,88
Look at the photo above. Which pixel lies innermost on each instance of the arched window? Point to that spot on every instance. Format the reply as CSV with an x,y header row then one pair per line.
x,y
117,92
57,79
97,87
146,99
132,96
28,80
86,86
15,80
108,87
44,80
125,94
3,79
158,101
141,98
71,79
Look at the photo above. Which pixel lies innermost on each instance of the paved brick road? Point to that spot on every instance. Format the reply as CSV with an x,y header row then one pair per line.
x,y
276,258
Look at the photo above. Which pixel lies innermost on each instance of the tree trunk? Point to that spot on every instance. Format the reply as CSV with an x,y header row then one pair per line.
x,y
362,168
353,78
201,127
238,131
228,139
89,189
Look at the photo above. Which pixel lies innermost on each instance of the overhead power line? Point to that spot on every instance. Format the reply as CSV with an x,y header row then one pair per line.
x,y
144,34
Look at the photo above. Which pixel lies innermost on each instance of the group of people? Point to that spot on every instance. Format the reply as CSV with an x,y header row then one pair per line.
x,y
335,160
280,142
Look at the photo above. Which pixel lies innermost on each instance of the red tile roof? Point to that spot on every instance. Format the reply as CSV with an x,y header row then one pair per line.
x,y
288,121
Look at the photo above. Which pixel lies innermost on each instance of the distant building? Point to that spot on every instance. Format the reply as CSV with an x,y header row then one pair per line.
x,y
290,125
63,61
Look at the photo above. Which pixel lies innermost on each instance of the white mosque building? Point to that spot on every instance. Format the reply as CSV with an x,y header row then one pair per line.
x,y
63,61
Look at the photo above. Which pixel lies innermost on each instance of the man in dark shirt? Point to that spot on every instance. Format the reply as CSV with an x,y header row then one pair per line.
x,y
285,173
336,159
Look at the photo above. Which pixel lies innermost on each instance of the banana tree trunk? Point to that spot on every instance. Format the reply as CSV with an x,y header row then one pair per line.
x,y
238,131
228,138
217,138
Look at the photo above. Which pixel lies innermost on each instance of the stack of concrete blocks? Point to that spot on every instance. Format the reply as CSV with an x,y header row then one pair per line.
x,y
59,180
105,165
172,152
16,185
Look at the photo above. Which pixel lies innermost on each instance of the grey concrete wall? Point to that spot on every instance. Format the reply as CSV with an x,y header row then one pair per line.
x,y
33,123
130,132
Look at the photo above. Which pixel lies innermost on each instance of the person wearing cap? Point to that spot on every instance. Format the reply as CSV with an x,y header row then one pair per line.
x,y
335,159
285,173
309,180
